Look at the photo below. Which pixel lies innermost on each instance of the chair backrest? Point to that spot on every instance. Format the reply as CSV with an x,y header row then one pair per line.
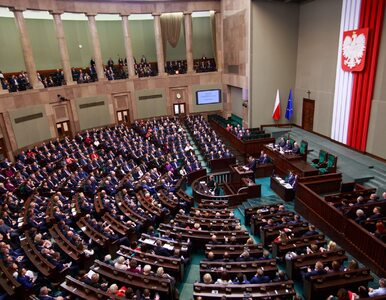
x,y
322,156
303,147
331,161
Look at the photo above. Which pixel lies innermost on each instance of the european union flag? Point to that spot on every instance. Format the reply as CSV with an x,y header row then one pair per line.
x,y
289,111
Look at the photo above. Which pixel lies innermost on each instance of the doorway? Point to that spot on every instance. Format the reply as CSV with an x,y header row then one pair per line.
x,y
308,114
123,116
63,129
179,109
3,149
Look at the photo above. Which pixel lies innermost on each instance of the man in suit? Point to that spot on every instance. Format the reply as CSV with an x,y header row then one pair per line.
x,y
296,148
282,142
260,277
161,251
376,213
318,270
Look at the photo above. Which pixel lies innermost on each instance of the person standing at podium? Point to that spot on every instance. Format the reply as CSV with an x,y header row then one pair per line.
x,y
252,164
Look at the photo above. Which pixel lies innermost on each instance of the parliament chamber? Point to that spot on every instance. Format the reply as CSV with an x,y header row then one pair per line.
x,y
144,155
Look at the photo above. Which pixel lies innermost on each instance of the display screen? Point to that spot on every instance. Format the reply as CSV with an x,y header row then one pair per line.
x,y
208,97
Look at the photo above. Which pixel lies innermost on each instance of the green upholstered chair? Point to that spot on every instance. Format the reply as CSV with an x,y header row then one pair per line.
x,y
331,165
316,163
303,147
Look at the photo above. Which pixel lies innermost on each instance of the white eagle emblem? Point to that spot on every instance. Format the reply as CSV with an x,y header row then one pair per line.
x,y
353,49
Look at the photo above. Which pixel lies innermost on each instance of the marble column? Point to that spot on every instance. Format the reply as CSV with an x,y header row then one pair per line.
x,y
128,47
27,50
96,46
219,44
159,44
189,40
64,56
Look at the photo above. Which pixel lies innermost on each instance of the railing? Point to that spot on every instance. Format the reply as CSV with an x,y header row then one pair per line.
x,y
223,179
345,231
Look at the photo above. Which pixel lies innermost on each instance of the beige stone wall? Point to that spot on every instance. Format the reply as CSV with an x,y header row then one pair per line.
x,y
273,57
236,48
319,25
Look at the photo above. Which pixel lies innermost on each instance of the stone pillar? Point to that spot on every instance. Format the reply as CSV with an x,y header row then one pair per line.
x,y
159,44
128,47
64,56
96,46
189,40
27,50
219,44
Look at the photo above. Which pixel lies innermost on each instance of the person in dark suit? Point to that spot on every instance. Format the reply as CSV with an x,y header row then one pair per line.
x,y
311,231
211,183
264,160
260,277
24,280
296,148
318,270
288,145
282,142
361,217
161,251
291,178
44,294
376,214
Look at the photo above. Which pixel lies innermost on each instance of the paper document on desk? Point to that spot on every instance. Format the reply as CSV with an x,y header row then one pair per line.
x,y
168,246
288,186
149,241
245,168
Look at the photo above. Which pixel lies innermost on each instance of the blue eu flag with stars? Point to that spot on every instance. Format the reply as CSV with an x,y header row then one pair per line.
x,y
289,111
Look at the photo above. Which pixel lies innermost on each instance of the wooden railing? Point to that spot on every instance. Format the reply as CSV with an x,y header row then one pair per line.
x,y
350,235
222,178
252,147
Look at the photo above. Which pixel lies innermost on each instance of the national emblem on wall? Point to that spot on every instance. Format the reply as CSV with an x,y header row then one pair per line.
x,y
354,49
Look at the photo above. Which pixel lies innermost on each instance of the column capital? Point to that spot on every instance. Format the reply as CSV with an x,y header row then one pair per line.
x,y
17,8
156,14
56,12
124,15
187,13
88,15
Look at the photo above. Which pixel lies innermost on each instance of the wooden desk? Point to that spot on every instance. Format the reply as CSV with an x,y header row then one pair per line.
x,y
238,172
285,162
319,287
285,193
253,189
300,262
221,164
304,169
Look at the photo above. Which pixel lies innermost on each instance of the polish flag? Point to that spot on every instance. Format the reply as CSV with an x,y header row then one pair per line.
x,y
276,109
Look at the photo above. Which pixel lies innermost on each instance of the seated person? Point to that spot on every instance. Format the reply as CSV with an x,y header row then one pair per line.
x,y
311,231
376,214
240,279
260,277
288,146
318,270
224,279
264,160
381,291
296,148
361,217
282,142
